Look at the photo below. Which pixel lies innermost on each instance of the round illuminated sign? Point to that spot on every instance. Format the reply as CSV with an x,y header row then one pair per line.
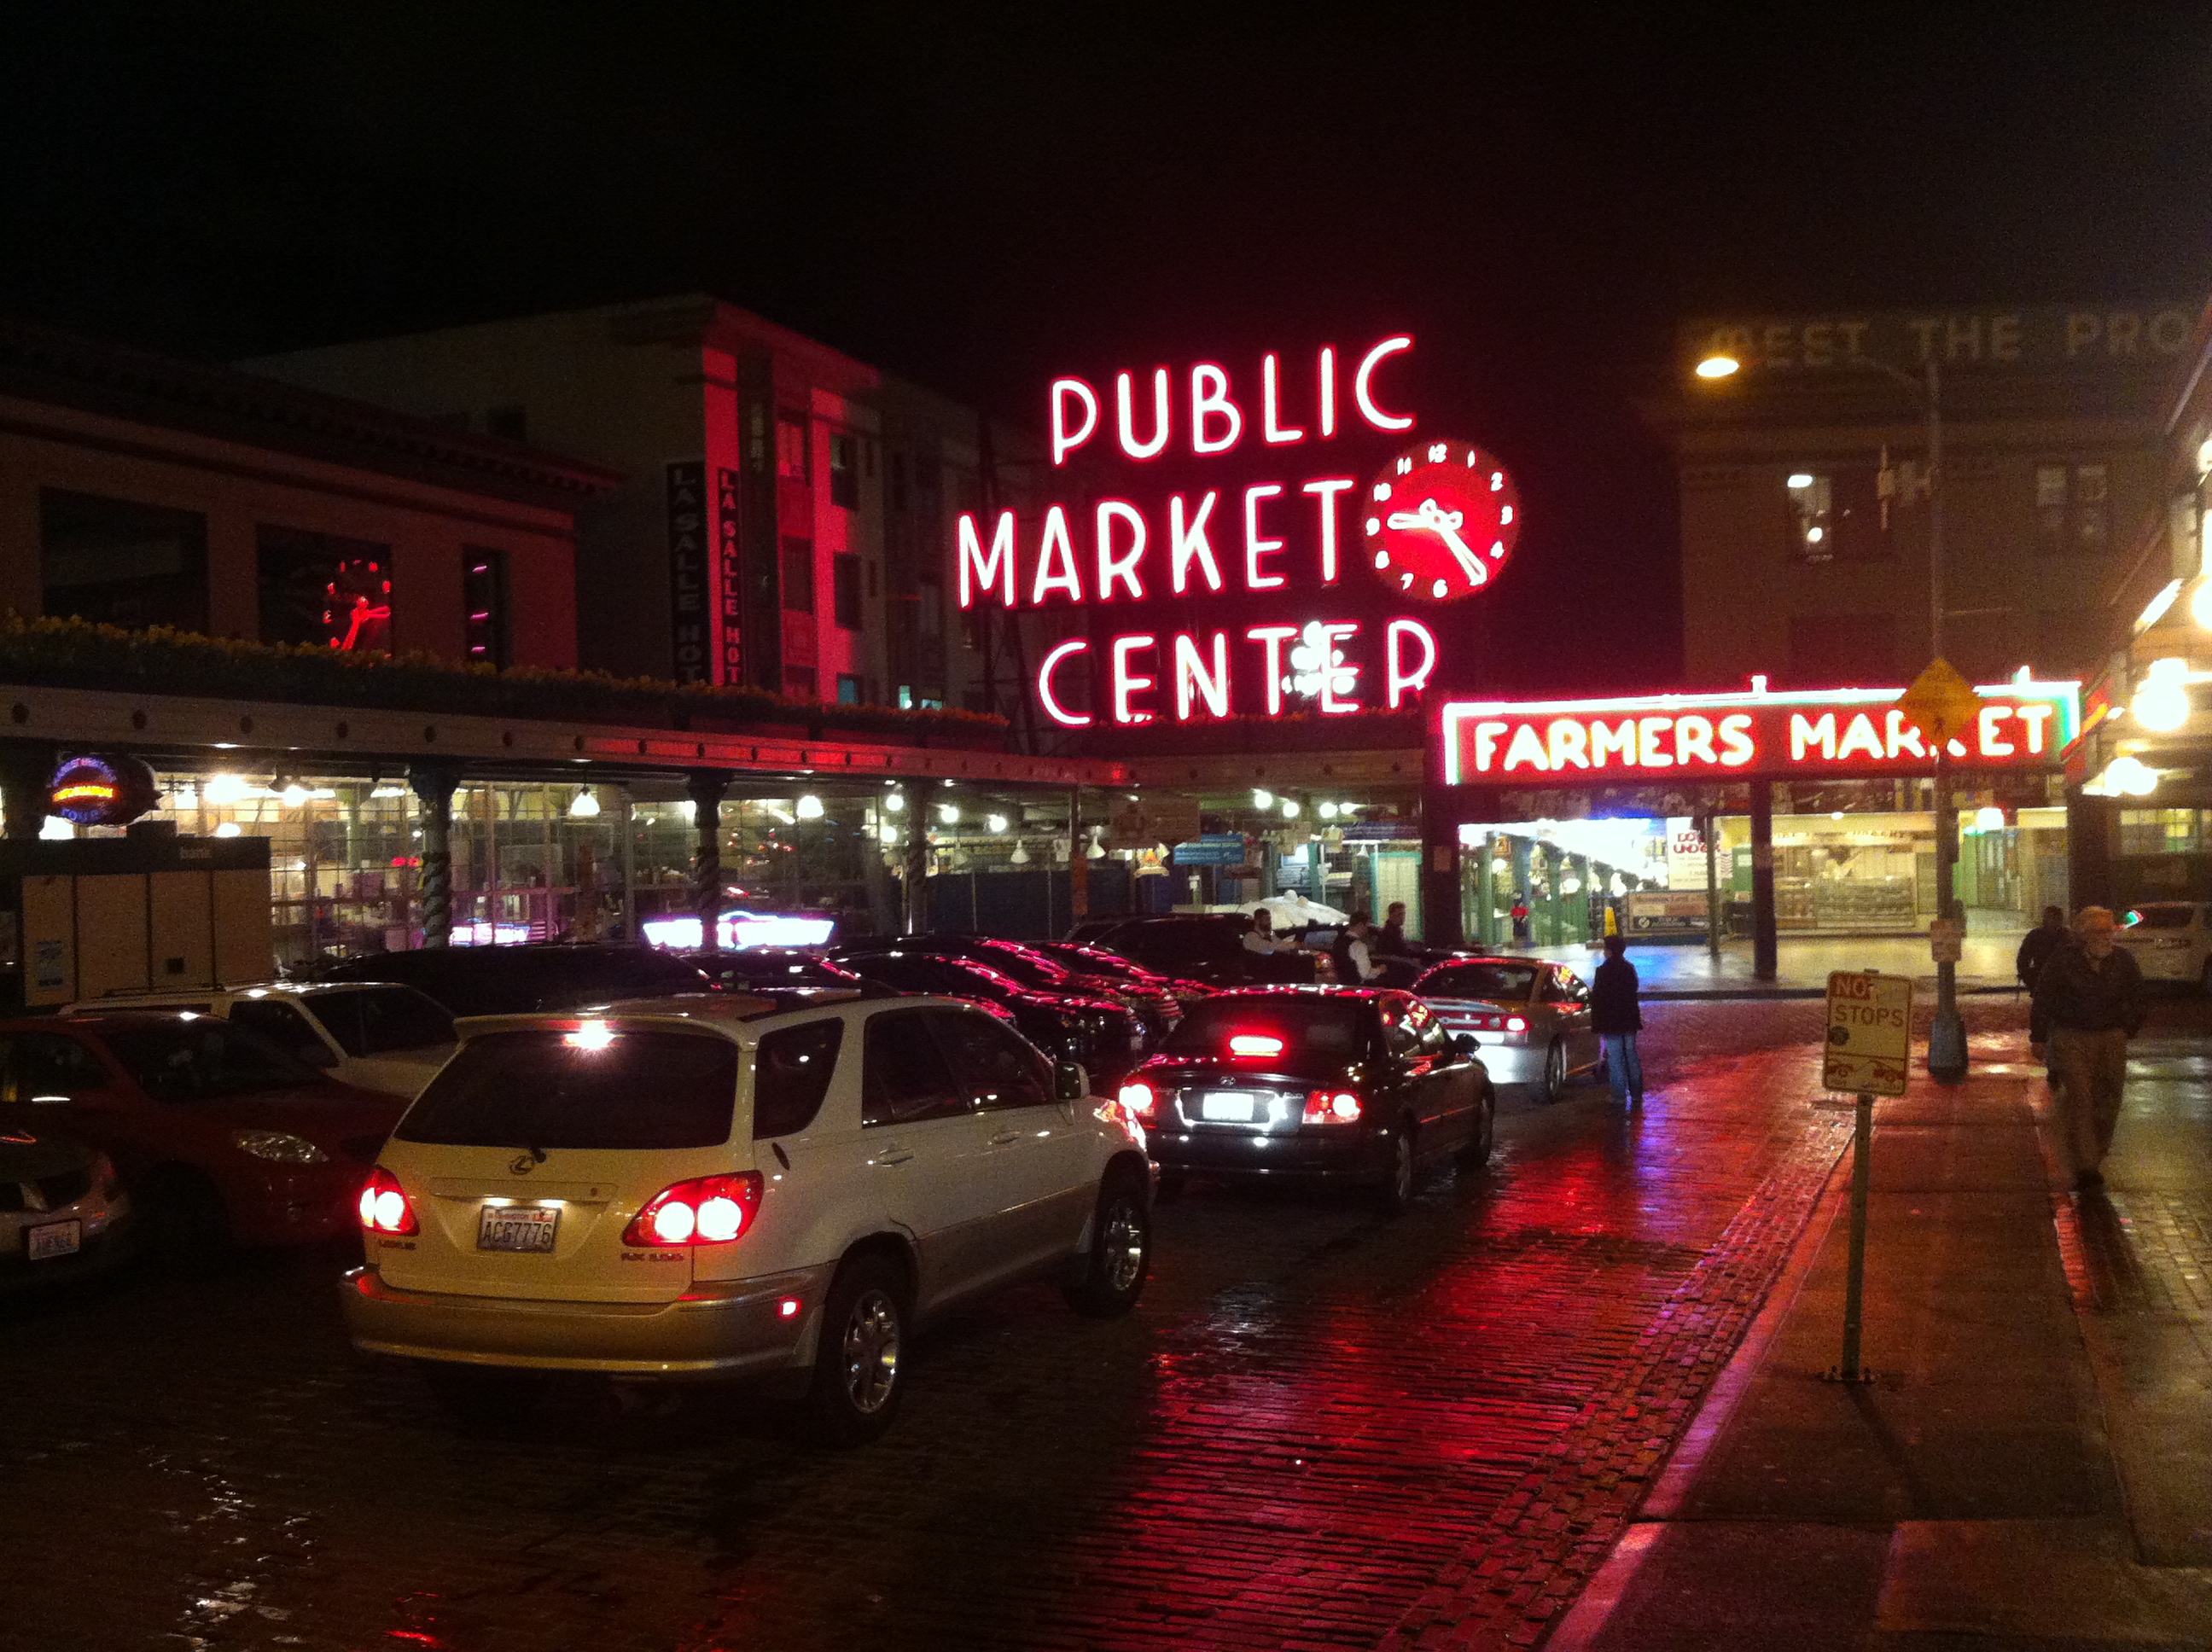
x,y
101,791
1441,520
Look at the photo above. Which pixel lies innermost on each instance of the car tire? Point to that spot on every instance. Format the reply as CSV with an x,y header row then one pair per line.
x,y
1401,1175
1476,1153
480,1398
1120,1256
858,1379
187,1224
1554,1082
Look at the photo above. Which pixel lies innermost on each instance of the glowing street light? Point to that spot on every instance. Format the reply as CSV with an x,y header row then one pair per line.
x,y
2162,704
1718,366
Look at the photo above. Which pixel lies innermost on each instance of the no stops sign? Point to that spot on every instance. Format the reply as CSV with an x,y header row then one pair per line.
x,y
1869,1047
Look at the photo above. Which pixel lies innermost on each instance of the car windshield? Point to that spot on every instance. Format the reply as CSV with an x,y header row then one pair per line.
x,y
1175,945
545,1090
2160,915
1091,961
1288,1028
202,1059
1501,983
371,1020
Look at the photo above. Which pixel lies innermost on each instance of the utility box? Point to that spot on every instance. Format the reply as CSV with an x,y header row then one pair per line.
x,y
88,918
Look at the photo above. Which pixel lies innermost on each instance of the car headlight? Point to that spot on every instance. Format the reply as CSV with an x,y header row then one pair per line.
x,y
279,1146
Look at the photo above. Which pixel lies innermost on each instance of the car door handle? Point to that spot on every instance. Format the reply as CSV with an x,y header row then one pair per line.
x,y
895,1156
1005,1136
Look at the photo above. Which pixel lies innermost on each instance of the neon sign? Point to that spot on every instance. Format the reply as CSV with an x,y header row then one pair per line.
x,y
1192,571
97,791
2022,725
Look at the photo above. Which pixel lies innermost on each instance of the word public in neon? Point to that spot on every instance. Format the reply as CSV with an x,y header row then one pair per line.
x,y
1235,588
2021,725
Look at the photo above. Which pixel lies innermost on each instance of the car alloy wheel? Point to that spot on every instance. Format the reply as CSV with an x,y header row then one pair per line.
x,y
1397,1190
1555,1072
1111,1273
1123,1243
870,1351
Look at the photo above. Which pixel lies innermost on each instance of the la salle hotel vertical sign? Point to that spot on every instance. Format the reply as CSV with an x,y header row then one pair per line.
x,y
1255,564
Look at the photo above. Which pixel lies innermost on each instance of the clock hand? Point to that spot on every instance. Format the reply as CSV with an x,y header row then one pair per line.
x,y
1445,524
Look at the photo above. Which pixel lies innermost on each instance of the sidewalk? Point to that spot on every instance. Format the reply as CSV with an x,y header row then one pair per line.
x,y
1802,964
2031,1466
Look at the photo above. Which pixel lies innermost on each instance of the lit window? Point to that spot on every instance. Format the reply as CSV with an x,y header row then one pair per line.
x,y
790,447
844,470
2073,509
1812,516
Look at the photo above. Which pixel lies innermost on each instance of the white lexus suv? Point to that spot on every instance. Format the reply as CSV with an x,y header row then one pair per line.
x,y
725,1186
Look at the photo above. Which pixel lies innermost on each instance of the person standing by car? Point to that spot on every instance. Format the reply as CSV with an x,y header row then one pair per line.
x,y
2035,950
1353,954
1519,915
1261,941
1392,942
2088,1002
1616,1017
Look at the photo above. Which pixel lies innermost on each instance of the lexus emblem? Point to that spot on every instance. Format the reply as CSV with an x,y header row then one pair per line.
x,y
521,1164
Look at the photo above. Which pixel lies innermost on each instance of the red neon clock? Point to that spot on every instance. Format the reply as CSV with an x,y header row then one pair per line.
x,y
1441,521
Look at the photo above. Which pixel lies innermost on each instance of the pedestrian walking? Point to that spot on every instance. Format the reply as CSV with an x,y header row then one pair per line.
x,y
1520,921
2035,950
2088,1002
1616,1017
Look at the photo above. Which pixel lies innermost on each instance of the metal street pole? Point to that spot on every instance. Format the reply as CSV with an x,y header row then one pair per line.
x,y
1946,1035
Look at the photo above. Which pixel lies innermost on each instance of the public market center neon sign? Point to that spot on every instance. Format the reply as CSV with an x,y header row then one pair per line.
x,y
1217,581
2021,725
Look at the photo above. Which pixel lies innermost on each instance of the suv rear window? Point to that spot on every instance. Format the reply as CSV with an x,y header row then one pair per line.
x,y
536,1089
2159,915
791,1075
1332,1028
374,1019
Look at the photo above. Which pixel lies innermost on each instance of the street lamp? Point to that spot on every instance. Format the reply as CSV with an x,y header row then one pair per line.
x,y
1947,1036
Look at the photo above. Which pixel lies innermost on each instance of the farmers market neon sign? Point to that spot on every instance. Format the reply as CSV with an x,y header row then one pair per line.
x,y
1236,600
2021,725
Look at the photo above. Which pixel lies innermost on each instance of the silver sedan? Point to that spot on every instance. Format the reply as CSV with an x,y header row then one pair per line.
x,y
1531,1015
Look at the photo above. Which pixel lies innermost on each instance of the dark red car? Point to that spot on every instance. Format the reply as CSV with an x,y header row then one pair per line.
x,y
221,1137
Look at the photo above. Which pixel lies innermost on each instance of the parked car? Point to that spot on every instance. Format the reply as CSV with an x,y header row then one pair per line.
x,y
221,1137
715,1187
1331,1084
1532,1015
1204,946
752,968
1105,1036
1154,1006
63,1215
2171,940
1097,961
523,980
380,1036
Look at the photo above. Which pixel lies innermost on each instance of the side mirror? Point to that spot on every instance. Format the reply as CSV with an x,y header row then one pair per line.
x,y
1466,1044
1070,1083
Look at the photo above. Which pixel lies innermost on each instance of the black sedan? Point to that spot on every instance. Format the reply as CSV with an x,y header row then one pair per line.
x,y
1154,1004
1292,1082
1105,1036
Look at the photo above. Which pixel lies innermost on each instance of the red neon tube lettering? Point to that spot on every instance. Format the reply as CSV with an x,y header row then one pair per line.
x,y
1326,492
1053,709
1271,639
1209,400
1122,570
981,573
1361,394
1403,681
1056,569
1063,440
1327,391
1272,430
1187,542
1126,414
1192,680
1329,670
1255,544
1126,683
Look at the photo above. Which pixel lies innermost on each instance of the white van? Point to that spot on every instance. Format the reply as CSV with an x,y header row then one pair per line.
x,y
2171,941
722,1186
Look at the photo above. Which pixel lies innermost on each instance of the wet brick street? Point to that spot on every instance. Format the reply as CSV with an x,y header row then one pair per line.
x,y
1320,1428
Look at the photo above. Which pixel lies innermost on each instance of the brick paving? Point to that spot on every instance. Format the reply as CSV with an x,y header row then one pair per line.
x,y
1320,1429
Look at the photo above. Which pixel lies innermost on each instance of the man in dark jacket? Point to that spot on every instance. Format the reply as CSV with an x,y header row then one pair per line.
x,y
2088,1002
2035,950
1616,1017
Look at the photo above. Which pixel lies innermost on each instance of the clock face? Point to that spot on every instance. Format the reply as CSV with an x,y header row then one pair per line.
x,y
1440,521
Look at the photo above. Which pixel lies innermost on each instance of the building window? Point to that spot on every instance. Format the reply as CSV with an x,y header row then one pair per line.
x,y
508,423
790,447
845,590
798,681
324,590
1842,650
116,563
2159,831
1833,517
2073,510
483,605
844,470
799,575
848,689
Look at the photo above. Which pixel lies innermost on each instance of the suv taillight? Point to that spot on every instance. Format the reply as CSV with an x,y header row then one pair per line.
x,y
384,1207
1331,1107
704,1211
1142,1099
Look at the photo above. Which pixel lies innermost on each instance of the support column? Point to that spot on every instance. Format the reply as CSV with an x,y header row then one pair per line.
x,y
1712,827
626,824
1522,892
1443,924
27,773
917,863
705,787
433,785
1078,863
1764,963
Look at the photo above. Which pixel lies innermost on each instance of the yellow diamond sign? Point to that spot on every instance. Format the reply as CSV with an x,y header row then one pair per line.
x,y
1942,704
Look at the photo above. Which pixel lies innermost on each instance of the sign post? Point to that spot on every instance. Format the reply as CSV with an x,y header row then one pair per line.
x,y
1944,706
1869,1049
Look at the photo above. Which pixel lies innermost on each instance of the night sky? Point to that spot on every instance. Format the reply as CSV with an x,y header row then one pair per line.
x,y
980,199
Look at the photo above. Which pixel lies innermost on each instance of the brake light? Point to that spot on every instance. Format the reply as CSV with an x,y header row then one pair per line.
x,y
384,1207
1331,1107
1255,1044
1141,1099
704,1211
